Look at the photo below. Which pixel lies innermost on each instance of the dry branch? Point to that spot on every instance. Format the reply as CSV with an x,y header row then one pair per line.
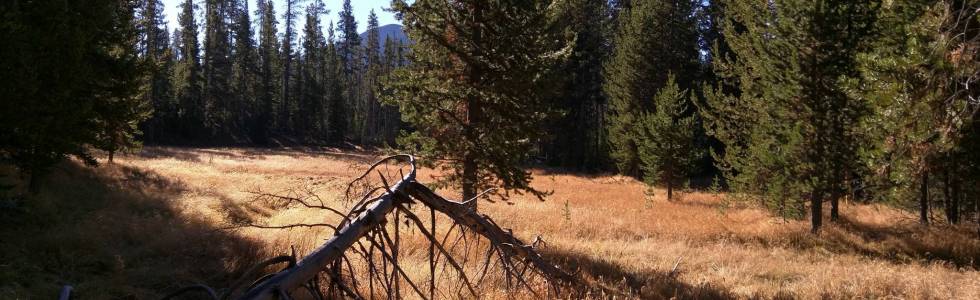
x,y
365,222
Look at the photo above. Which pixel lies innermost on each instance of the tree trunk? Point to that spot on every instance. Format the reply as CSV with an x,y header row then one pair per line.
x,y
34,183
469,180
112,154
956,202
670,190
948,198
924,199
835,194
816,211
474,115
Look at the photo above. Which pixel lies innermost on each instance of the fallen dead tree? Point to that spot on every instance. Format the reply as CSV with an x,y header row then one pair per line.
x,y
362,239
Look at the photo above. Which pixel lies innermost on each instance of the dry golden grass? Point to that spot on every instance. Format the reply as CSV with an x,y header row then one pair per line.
x,y
611,234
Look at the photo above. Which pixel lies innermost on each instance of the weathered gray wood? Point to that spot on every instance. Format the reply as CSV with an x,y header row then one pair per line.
x,y
405,190
307,269
463,214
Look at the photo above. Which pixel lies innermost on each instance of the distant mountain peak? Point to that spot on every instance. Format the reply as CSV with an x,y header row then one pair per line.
x,y
395,31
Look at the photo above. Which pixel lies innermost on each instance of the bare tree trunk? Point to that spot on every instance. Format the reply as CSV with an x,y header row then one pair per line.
x,y
948,198
469,179
956,201
34,183
474,115
924,199
670,190
816,211
835,194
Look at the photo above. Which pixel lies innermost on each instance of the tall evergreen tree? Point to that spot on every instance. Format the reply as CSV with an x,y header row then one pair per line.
x,y
391,122
244,72
476,88
350,51
655,37
158,90
217,66
311,115
268,79
790,130
371,127
336,103
189,81
579,139
288,36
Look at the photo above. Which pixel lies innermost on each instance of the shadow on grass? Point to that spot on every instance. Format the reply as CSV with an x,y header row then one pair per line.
x,y
615,281
957,245
900,243
114,232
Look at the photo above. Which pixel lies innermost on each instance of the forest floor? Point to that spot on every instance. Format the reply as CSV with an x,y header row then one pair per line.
x,y
154,221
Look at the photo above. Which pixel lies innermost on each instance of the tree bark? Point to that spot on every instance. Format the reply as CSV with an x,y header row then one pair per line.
x,y
924,199
474,115
670,190
956,201
948,198
835,194
469,179
816,211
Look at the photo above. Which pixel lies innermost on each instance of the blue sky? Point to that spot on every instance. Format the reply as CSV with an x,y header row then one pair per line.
x,y
361,9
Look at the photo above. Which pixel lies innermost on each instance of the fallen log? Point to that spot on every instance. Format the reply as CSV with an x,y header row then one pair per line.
x,y
463,214
366,220
321,258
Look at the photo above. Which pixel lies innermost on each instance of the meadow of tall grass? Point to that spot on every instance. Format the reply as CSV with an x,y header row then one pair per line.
x,y
159,219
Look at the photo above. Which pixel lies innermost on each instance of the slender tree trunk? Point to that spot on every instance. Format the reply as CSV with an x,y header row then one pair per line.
x,y
956,201
670,190
474,115
34,183
835,194
948,198
924,199
816,211
469,179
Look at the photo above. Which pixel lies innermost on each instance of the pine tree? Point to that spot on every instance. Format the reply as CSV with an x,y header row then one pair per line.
x,y
289,17
156,51
188,81
476,89
921,121
337,119
350,52
72,80
268,79
666,139
217,67
654,37
579,139
311,113
390,118
244,72
790,130
371,128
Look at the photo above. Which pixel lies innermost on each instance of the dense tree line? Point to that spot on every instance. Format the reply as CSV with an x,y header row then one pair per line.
x,y
238,87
